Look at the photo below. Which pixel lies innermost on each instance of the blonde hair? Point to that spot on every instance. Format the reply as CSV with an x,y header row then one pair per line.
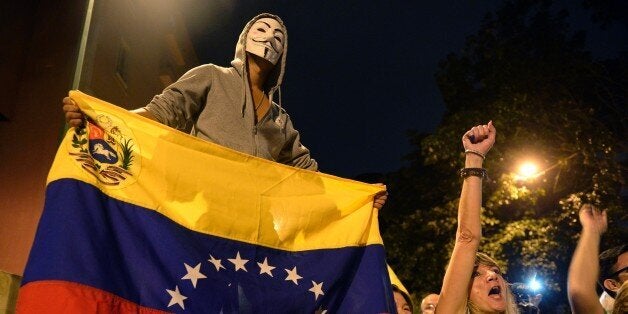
x,y
621,300
511,304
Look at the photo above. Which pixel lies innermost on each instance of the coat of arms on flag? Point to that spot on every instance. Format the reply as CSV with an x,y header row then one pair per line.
x,y
142,218
105,148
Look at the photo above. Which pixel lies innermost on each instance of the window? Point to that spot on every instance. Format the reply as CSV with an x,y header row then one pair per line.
x,y
122,66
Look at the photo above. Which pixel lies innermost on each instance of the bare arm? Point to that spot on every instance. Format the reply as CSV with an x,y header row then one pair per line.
x,y
584,267
454,292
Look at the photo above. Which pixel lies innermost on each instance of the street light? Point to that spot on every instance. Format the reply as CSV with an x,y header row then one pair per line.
x,y
528,170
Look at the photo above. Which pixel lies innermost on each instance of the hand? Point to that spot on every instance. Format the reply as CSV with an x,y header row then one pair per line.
x,y
536,300
483,137
73,115
380,198
593,219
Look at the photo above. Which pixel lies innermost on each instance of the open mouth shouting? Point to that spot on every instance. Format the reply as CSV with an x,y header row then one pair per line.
x,y
495,292
488,289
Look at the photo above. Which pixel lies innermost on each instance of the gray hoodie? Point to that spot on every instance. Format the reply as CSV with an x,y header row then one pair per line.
x,y
214,103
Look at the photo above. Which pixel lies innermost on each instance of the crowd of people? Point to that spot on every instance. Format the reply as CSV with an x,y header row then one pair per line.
x,y
473,281
234,107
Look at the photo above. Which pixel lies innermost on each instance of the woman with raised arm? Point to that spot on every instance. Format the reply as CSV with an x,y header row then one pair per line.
x,y
473,282
585,265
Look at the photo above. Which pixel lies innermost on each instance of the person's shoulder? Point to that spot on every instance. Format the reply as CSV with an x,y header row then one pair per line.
x,y
211,70
219,69
208,67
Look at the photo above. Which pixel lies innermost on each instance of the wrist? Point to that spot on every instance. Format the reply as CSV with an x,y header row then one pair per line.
x,y
473,161
591,231
476,152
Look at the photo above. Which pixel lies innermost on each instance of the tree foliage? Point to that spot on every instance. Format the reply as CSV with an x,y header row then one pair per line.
x,y
551,102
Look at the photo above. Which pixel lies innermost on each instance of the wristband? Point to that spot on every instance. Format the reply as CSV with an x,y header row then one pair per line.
x,y
476,172
474,152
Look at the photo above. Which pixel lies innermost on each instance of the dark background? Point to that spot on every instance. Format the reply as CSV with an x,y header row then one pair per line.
x,y
382,90
360,74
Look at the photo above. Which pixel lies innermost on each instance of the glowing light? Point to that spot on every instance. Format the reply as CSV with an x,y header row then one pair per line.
x,y
534,284
528,170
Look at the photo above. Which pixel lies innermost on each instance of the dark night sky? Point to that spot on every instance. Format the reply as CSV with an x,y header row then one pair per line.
x,y
361,73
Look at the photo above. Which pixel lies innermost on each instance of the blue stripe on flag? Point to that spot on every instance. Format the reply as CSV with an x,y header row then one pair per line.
x,y
87,237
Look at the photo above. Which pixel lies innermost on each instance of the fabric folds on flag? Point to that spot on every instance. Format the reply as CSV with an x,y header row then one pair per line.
x,y
142,218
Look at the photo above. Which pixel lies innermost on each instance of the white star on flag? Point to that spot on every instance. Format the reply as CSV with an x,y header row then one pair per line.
x,y
293,276
194,274
317,289
239,262
264,268
217,263
176,297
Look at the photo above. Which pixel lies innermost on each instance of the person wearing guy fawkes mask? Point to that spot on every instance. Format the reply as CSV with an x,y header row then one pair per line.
x,y
233,106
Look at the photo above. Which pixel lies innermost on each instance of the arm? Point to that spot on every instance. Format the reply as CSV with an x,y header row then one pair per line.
x,y
293,153
175,106
584,267
180,103
297,155
145,113
455,289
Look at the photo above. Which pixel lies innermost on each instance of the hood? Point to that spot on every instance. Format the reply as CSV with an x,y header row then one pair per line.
x,y
276,76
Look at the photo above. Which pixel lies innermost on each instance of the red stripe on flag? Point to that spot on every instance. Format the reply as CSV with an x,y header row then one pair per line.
x,y
55,296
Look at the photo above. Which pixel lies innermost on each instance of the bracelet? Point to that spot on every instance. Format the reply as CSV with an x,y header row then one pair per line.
x,y
474,152
476,172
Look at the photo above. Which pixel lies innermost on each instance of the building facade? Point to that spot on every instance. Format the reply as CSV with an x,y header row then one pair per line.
x,y
133,49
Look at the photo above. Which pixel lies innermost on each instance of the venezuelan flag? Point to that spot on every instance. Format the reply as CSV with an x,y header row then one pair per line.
x,y
142,218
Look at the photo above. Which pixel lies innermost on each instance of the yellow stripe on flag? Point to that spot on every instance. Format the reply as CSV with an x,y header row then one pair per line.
x,y
215,190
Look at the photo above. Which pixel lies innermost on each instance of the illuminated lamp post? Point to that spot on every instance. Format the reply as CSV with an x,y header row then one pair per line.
x,y
528,296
